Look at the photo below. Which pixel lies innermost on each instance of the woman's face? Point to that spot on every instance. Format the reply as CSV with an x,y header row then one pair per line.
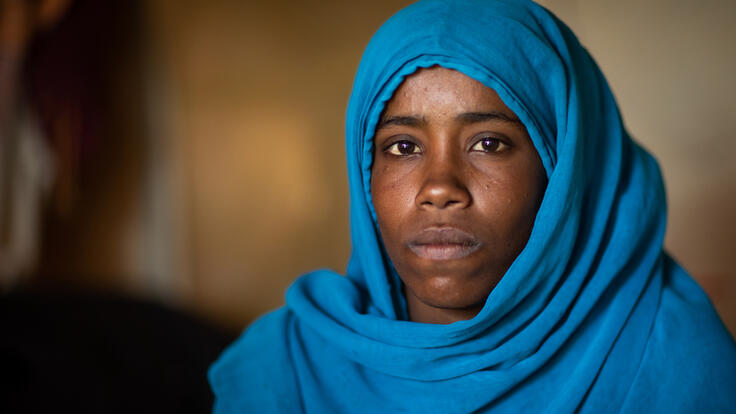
x,y
456,184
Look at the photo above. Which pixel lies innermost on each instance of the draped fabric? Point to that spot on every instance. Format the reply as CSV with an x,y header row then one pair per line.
x,y
592,316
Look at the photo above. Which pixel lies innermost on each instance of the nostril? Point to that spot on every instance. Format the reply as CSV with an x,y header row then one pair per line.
x,y
451,203
442,200
442,192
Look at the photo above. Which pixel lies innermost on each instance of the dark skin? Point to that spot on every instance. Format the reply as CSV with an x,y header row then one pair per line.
x,y
456,184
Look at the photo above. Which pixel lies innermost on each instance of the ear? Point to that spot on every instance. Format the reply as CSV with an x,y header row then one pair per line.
x,y
48,12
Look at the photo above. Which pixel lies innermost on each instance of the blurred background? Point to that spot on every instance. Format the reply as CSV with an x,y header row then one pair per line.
x,y
189,154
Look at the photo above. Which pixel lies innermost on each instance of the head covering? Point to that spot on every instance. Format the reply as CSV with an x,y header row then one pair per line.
x,y
583,320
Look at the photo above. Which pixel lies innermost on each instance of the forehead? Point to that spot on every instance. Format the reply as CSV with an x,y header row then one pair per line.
x,y
438,91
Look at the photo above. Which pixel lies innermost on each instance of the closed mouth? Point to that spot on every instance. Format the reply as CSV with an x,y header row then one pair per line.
x,y
443,243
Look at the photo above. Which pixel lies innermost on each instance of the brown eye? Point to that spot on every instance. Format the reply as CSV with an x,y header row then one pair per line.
x,y
403,148
489,145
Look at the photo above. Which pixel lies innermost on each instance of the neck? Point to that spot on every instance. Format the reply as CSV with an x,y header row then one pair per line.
x,y
426,313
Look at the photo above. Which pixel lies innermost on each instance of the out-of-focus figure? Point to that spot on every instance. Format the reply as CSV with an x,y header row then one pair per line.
x,y
26,160
76,335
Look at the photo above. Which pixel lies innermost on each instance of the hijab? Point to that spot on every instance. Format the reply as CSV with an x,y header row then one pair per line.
x,y
592,316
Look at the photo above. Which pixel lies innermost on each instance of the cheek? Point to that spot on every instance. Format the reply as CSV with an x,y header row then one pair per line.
x,y
528,196
510,197
392,192
388,193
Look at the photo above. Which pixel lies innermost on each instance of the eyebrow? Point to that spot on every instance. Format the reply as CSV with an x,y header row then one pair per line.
x,y
474,117
465,118
401,121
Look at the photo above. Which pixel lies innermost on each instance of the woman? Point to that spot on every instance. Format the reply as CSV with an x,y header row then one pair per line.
x,y
507,244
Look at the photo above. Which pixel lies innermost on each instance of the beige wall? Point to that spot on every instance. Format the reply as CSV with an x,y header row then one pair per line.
x,y
257,94
671,65
249,101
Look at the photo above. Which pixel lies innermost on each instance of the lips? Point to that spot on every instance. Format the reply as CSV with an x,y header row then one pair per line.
x,y
443,243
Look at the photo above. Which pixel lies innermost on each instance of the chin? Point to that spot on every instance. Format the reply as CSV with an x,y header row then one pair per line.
x,y
454,293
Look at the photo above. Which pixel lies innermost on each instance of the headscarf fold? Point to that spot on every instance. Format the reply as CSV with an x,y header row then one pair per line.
x,y
569,326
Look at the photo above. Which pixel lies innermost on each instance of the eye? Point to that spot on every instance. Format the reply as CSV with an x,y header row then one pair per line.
x,y
403,148
489,145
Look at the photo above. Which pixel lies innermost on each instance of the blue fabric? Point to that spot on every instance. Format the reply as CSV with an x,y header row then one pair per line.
x,y
592,316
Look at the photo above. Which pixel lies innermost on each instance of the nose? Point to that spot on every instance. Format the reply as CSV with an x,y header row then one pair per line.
x,y
443,187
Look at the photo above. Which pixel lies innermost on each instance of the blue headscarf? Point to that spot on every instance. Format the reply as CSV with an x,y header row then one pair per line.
x,y
592,316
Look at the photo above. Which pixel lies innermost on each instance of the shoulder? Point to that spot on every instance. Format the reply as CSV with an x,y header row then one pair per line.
x,y
690,361
255,373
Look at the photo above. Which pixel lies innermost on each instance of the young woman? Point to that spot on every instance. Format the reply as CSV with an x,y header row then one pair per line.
x,y
507,244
